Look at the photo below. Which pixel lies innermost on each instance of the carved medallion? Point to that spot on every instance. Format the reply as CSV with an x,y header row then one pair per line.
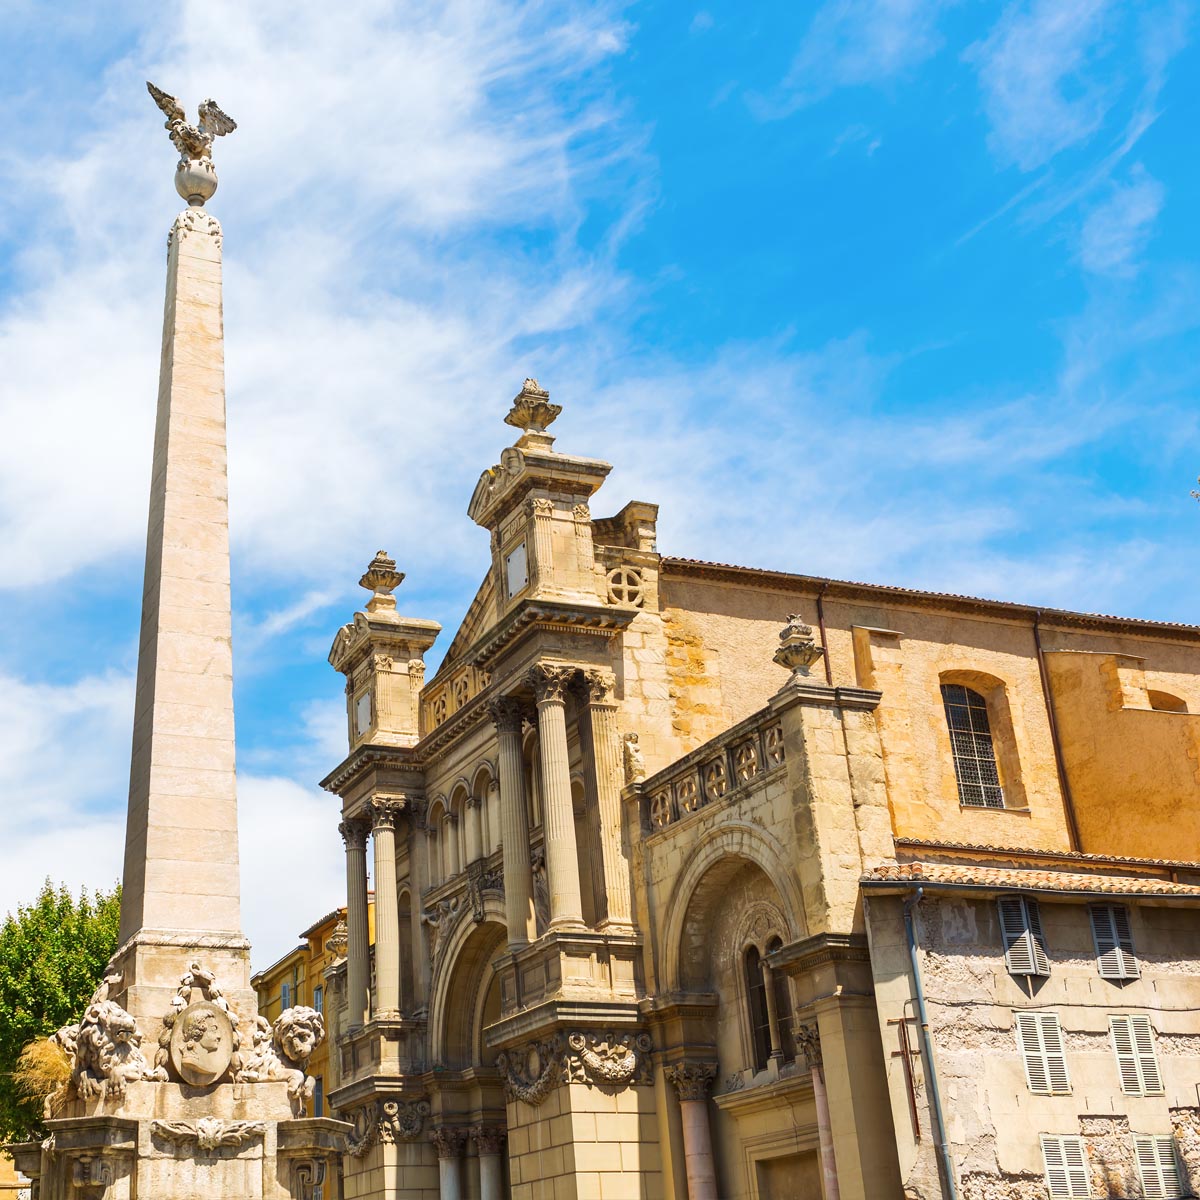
x,y
201,1043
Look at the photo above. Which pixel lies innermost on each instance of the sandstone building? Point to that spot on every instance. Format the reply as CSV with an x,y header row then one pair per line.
x,y
901,901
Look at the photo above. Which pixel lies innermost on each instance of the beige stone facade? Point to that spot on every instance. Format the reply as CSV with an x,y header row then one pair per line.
x,y
656,865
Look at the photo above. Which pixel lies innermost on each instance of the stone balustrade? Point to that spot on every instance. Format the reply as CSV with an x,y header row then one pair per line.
x,y
718,771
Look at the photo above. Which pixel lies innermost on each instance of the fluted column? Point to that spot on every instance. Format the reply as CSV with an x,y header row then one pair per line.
x,y
358,933
387,908
562,857
489,1142
692,1081
449,1142
419,874
599,691
514,824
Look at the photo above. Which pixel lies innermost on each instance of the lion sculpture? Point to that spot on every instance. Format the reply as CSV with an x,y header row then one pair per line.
x,y
281,1053
107,1051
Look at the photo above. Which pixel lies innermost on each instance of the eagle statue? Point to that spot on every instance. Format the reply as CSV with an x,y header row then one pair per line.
x,y
192,141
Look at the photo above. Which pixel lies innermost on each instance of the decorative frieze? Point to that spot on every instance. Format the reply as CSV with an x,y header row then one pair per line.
x,y
386,1122
208,1133
609,1059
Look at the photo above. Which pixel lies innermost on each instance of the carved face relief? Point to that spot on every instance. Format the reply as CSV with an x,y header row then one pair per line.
x,y
201,1044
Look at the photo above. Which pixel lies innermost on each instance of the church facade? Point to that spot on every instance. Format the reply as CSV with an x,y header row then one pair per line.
x,y
695,881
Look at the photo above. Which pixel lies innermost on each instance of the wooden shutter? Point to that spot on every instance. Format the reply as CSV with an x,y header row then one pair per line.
x,y
1114,941
1039,1039
1157,1167
1021,929
1133,1043
1066,1167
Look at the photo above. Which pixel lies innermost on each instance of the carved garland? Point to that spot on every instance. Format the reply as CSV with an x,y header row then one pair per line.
x,y
609,1059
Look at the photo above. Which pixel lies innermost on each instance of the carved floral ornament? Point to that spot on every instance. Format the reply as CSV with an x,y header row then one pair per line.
x,y
609,1059
386,1121
550,681
209,1133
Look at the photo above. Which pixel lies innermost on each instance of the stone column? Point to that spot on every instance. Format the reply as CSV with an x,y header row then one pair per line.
x,y
419,874
474,818
489,1141
607,773
514,824
358,932
562,858
387,908
692,1081
449,1142
772,1013
810,1041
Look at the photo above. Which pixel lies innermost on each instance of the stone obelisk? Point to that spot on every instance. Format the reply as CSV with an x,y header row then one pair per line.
x,y
181,887
178,1088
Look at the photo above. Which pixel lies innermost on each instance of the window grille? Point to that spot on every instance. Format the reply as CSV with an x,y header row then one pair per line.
x,y
1133,1043
756,995
1039,1038
1158,1167
971,743
1021,929
1114,941
1066,1167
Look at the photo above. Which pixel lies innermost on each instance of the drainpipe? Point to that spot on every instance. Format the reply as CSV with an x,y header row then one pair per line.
x,y
821,626
935,1096
1063,782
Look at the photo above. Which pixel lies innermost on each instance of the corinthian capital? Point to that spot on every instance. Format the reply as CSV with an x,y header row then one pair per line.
x,y
550,682
385,810
691,1080
505,712
354,834
599,686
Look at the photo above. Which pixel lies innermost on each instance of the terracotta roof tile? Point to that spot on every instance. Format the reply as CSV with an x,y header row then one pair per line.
x,y
1041,881
1035,852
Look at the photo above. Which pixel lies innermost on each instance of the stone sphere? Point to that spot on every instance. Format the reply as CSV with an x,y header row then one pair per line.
x,y
195,180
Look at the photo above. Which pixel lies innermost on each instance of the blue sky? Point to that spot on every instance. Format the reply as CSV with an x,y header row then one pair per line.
x,y
895,291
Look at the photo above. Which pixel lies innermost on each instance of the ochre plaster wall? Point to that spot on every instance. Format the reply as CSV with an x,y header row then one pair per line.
x,y
1134,772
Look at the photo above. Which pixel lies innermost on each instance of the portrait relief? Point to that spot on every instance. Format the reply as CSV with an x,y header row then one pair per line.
x,y
201,1044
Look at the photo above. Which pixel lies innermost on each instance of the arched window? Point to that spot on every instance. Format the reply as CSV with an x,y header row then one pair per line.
x,y
971,743
783,1006
756,1000
1165,702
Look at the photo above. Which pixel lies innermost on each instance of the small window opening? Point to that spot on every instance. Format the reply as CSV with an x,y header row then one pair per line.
x,y
756,995
1165,702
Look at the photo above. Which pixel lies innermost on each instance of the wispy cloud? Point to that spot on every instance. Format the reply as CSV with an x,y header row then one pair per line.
x,y
1035,70
853,43
1116,230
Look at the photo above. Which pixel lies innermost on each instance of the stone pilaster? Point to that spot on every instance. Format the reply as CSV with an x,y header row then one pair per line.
x,y
450,1142
606,770
489,1144
419,880
518,875
358,933
550,684
384,812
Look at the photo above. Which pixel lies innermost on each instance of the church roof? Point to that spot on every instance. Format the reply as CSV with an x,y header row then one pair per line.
x,y
846,589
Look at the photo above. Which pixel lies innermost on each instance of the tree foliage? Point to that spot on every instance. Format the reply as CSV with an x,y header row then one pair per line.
x,y
52,955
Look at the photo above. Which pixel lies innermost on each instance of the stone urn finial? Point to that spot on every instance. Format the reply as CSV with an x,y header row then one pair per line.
x,y
798,649
381,579
532,412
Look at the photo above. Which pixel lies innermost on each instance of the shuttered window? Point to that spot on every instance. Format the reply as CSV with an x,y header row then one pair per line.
x,y
1114,941
971,744
1039,1038
1133,1042
1158,1167
1066,1167
1021,928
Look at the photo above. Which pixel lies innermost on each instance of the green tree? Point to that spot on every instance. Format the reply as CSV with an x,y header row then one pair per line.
x,y
52,955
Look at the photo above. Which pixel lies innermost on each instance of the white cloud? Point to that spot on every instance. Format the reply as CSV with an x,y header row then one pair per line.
x,y
1116,231
851,43
1034,72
